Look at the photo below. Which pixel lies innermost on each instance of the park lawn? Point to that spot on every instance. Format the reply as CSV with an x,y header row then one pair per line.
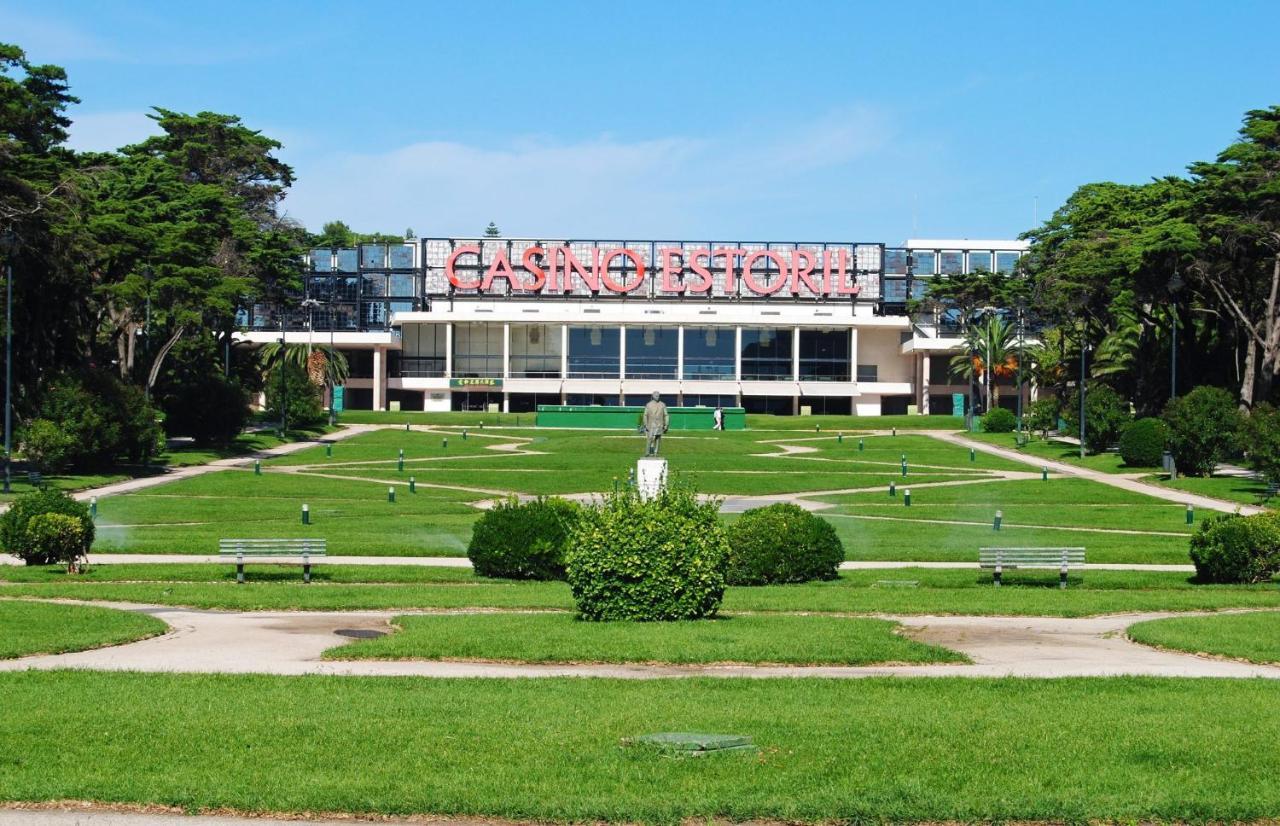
x,y
879,750
835,423
562,638
1038,448
1253,637
899,591
1240,489
28,628
385,445
226,572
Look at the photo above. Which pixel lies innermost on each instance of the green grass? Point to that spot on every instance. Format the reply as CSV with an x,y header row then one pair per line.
x,y
900,591
886,750
1228,488
1038,448
1253,637
561,638
47,628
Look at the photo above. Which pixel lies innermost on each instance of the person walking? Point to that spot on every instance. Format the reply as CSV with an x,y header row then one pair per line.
x,y
717,418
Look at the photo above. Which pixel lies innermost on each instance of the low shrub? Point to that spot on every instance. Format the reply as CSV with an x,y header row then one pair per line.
x,y
515,540
303,404
58,538
658,559
104,419
1043,415
1105,416
209,409
1262,435
1142,444
1237,549
1204,429
782,543
999,420
15,523
45,445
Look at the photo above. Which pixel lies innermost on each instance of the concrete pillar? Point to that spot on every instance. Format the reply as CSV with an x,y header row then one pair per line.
x,y
622,352
448,350
853,366
795,354
680,353
564,355
924,384
737,354
506,350
379,378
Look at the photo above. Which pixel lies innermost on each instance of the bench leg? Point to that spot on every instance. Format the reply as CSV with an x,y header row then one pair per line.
x,y
239,569
996,573
1062,577
306,569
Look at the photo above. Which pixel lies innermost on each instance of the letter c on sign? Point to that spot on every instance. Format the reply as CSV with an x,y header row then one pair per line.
x,y
470,249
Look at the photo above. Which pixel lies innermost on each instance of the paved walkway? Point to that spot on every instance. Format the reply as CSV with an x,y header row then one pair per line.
x,y
1121,481
290,643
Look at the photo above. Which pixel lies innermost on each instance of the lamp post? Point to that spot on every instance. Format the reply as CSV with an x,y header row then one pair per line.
x,y
1175,284
284,391
1021,358
333,292
149,276
8,244
1084,348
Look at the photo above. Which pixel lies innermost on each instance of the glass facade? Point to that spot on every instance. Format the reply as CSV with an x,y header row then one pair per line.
x,y
980,260
1006,261
594,353
766,354
477,350
651,352
535,351
824,355
708,353
951,262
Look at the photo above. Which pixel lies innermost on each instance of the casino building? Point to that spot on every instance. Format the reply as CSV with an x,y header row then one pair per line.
x,y
512,323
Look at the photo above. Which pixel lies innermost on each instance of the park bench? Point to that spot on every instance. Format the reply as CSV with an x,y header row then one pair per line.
x,y
1063,559
271,548
36,480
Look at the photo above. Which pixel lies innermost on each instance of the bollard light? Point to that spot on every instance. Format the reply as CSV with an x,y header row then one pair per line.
x,y
893,491
861,445
904,468
93,508
894,431
257,468
400,461
973,457
444,444
999,518
1191,513
406,427
482,424
413,485
391,493
839,438
464,434
1044,474
328,450
906,497
306,514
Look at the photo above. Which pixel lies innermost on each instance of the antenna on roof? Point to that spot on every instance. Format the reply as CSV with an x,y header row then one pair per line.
x,y
1035,210
915,215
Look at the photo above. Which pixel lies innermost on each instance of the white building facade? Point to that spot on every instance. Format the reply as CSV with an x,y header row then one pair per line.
x,y
510,324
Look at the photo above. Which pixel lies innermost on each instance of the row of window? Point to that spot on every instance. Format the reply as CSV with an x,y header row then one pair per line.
x,y
949,262
366,257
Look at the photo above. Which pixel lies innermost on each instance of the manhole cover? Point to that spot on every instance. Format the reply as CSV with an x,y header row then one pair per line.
x,y
360,633
691,744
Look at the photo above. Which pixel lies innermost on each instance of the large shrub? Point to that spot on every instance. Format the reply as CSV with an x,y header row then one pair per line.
x,y
1142,444
517,540
45,445
1105,416
303,403
104,419
15,523
1230,548
999,420
58,537
1262,434
210,409
782,543
1204,429
657,559
1043,415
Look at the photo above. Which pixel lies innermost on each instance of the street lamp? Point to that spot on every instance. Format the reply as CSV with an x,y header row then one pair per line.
x,y
1175,284
1084,348
1021,358
8,245
284,391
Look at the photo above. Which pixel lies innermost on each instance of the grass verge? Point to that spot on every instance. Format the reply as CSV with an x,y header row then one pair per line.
x,y
28,628
1253,637
560,638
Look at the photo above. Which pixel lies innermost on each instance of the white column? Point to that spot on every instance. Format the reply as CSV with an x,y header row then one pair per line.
x,y
680,353
853,366
924,383
379,378
448,350
795,354
622,352
506,350
737,354
564,352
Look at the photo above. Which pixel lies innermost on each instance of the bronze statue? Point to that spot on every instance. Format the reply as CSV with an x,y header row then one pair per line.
x,y
655,423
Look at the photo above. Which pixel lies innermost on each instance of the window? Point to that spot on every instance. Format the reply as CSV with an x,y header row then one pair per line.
x,y
766,354
895,262
868,372
925,261
535,351
708,353
1006,262
951,262
375,286
651,352
477,350
347,261
401,286
940,370
322,260
594,352
980,260
402,257
824,355
423,350
373,256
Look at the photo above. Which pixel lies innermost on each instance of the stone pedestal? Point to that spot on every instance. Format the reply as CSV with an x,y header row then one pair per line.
x,y
651,476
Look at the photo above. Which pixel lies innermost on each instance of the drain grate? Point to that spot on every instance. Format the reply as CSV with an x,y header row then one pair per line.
x,y
360,633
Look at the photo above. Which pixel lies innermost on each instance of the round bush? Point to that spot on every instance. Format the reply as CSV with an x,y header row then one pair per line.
x,y
1204,428
59,538
1232,548
522,541
1142,443
45,445
656,559
782,543
999,420
14,536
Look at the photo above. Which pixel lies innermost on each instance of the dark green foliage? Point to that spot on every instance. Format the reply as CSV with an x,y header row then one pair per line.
x,y
1204,429
515,540
45,445
104,419
15,522
1261,430
999,420
1106,416
656,559
1230,548
1142,444
782,543
1043,414
58,538
304,405
209,409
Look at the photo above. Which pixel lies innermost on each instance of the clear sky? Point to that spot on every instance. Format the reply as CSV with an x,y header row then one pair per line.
x,y
684,120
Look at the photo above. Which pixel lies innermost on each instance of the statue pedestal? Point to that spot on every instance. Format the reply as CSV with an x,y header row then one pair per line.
x,y
651,476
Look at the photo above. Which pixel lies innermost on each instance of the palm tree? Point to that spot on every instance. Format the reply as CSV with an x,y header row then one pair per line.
x,y
990,351
325,366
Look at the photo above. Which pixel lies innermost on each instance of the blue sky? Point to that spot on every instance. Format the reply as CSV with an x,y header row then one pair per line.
x,y
745,120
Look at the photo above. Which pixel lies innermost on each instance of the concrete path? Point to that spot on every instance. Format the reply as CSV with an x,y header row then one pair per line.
x,y
463,562
1123,482
290,643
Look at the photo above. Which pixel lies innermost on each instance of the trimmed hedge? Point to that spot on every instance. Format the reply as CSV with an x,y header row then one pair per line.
x,y
1237,549
58,537
643,560
782,543
999,420
515,540
15,537
1143,442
